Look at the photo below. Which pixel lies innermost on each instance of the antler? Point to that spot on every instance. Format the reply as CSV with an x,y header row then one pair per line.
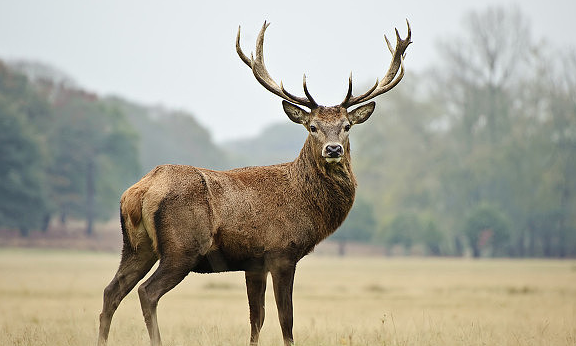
x,y
263,77
388,82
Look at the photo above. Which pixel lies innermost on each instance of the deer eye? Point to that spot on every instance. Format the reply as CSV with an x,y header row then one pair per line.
x,y
347,127
313,128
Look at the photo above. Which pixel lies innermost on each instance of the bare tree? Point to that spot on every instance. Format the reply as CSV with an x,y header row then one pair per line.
x,y
479,66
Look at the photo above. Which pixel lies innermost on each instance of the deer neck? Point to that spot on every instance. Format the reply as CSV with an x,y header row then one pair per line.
x,y
329,188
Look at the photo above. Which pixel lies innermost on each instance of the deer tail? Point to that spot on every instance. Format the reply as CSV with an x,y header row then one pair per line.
x,y
133,225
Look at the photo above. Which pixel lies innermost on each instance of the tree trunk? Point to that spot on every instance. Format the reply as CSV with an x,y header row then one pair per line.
x,y
475,251
342,248
565,195
24,231
90,194
46,222
531,239
520,246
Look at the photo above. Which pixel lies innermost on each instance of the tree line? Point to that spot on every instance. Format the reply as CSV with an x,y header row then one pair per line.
x,y
64,153
68,153
476,155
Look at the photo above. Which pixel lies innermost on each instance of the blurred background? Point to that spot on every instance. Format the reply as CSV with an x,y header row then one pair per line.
x,y
473,154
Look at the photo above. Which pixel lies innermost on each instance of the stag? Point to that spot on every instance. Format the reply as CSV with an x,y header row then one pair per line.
x,y
258,220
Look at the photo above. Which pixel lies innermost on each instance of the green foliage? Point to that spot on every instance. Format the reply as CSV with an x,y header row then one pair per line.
x,y
95,156
410,229
496,127
404,230
359,225
23,202
73,155
486,227
65,151
394,156
22,199
433,239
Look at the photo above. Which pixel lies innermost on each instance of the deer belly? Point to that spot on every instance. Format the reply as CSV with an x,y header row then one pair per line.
x,y
216,261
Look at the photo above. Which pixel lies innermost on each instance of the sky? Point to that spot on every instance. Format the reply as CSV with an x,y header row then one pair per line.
x,y
181,54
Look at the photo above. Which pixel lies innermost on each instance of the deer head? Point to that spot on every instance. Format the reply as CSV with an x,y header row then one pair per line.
x,y
328,127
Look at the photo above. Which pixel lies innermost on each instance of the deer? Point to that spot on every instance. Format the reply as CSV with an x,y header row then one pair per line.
x,y
260,220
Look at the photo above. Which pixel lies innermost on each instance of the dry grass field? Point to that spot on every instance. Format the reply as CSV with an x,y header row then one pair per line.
x,y
54,298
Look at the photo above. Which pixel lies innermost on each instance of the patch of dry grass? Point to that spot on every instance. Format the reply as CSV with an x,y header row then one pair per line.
x,y
54,298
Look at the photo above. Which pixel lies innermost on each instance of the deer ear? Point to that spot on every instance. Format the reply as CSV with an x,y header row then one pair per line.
x,y
362,113
295,113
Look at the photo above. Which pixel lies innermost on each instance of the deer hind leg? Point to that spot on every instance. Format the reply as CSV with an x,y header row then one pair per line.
x,y
133,267
169,274
283,281
256,289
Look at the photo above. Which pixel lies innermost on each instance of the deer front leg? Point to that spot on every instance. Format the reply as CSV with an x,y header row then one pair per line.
x,y
256,289
283,281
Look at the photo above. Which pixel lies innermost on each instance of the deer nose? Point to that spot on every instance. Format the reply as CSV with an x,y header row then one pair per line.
x,y
334,150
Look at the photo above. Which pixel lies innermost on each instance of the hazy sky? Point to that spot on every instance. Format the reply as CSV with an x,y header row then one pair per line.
x,y
181,54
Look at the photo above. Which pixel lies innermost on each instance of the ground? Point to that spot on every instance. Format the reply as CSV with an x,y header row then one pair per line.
x,y
53,297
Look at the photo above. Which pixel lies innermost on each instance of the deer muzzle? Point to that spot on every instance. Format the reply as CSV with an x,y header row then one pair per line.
x,y
333,152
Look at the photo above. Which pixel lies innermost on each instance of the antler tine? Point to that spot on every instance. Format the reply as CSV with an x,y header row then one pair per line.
x,y
349,93
392,77
241,54
350,100
263,77
312,104
389,44
307,93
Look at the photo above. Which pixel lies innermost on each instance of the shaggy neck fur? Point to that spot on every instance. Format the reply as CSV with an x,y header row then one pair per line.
x,y
329,188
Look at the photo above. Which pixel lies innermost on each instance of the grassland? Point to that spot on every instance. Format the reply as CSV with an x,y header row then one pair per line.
x,y
54,298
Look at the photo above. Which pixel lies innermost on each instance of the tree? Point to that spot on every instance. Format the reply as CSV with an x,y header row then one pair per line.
x,y
405,230
396,164
556,117
433,239
22,196
479,80
23,202
479,68
359,226
486,227
409,229
95,156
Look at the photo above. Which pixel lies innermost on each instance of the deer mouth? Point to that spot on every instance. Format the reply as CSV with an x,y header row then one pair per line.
x,y
333,159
